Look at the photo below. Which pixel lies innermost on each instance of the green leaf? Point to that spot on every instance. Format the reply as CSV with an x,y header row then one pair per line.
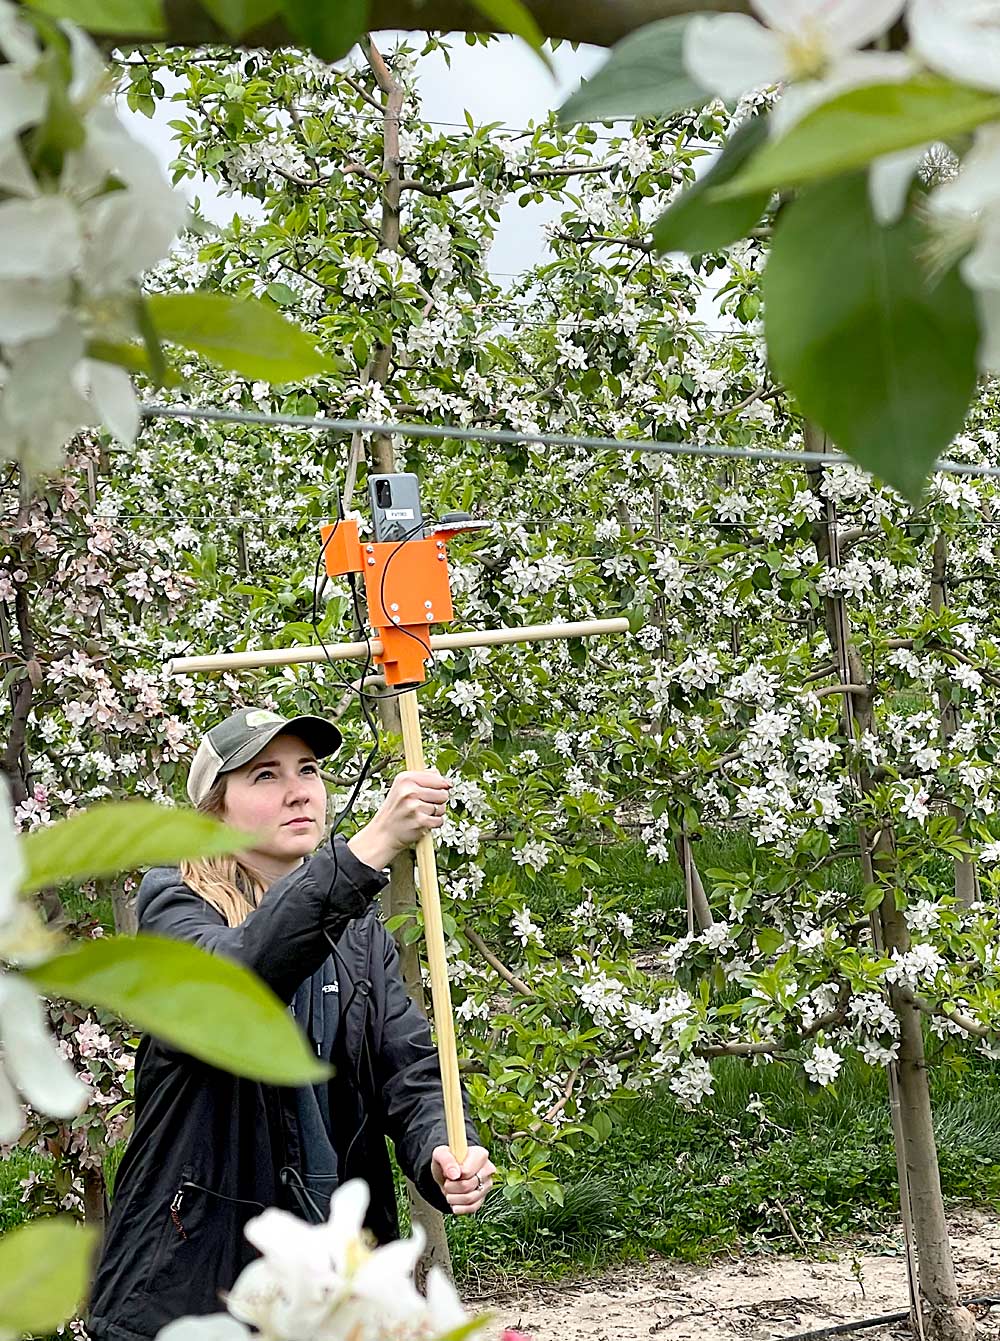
x,y
122,836
644,76
513,16
881,357
237,17
769,940
328,27
849,131
602,1127
697,221
204,1004
243,335
282,294
471,1327
133,358
874,894
44,1274
134,18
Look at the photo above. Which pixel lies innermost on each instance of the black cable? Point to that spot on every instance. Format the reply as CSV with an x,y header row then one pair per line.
x,y
314,620
883,1320
381,598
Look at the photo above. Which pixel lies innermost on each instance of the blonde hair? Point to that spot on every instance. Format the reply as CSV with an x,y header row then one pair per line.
x,y
228,883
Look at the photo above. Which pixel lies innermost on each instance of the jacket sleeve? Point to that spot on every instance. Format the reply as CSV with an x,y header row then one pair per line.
x,y
284,940
409,1080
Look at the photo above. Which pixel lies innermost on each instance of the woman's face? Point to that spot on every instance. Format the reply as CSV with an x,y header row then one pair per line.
x,y
279,795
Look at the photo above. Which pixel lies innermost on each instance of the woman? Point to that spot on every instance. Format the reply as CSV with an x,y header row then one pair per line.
x,y
210,1150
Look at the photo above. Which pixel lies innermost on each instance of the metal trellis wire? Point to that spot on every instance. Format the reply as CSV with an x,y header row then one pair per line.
x,y
519,437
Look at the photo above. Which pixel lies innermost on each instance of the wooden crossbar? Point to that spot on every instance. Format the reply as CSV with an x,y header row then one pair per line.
x,y
440,642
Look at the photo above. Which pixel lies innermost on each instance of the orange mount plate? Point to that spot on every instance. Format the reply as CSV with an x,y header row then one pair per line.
x,y
407,588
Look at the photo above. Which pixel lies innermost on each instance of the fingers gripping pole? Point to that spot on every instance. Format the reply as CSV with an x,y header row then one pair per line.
x,y
430,902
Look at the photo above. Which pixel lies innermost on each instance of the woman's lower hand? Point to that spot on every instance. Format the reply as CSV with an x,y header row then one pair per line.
x,y
464,1184
416,803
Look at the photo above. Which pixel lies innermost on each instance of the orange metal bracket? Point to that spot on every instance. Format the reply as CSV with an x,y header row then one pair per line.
x,y
407,588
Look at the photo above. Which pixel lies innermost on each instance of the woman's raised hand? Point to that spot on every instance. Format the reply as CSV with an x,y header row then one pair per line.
x,y
416,802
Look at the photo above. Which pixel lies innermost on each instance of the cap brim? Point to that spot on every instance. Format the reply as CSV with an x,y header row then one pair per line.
x,y
322,737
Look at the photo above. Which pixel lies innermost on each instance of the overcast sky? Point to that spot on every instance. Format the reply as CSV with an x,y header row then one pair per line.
x,y
502,82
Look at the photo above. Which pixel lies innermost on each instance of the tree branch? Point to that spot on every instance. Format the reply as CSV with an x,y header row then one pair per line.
x,y
15,758
511,979
964,1022
602,22
363,93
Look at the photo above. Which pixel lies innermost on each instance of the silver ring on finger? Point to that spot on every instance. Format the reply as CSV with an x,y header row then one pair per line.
x,y
479,1183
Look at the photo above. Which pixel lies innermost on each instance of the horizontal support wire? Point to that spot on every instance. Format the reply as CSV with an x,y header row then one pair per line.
x,y
516,438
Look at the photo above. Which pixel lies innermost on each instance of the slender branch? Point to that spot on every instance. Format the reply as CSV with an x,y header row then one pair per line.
x,y
449,188
511,979
644,244
738,1049
567,1094
964,1022
839,689
360,170
535,174
759,393
363,94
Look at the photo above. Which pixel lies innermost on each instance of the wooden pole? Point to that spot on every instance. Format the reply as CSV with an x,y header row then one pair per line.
x,y
437,961
440,642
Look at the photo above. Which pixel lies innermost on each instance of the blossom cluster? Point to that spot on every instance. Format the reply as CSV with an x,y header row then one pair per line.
x,y
75,236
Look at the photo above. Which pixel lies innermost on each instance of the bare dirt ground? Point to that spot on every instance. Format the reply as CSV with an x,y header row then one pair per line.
x,y
758,1298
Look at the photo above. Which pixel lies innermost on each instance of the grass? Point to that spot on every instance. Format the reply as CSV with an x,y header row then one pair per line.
x,y
13,1168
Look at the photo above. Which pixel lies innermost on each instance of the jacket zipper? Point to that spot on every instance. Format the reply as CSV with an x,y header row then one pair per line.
x,y
175,1213
175,1205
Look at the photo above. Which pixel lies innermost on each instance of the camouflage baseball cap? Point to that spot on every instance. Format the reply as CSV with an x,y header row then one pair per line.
x,y
241,738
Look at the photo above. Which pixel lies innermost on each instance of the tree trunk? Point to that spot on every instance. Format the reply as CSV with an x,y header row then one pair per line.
x,y
16,762
94,1198
699,909
966,879
123,908
945,1318
934,1290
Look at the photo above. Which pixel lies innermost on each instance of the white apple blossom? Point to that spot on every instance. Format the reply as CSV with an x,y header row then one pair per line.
x,y
815,47
30,1065
534,854
922,916
823,1065
692,1082
915,803
958,38
964,215
524,928
326,1282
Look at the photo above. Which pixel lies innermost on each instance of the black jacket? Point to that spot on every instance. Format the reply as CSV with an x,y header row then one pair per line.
x,y
210,1151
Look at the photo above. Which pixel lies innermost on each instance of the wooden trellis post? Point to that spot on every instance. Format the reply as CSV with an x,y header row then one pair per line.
x,y
406,596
